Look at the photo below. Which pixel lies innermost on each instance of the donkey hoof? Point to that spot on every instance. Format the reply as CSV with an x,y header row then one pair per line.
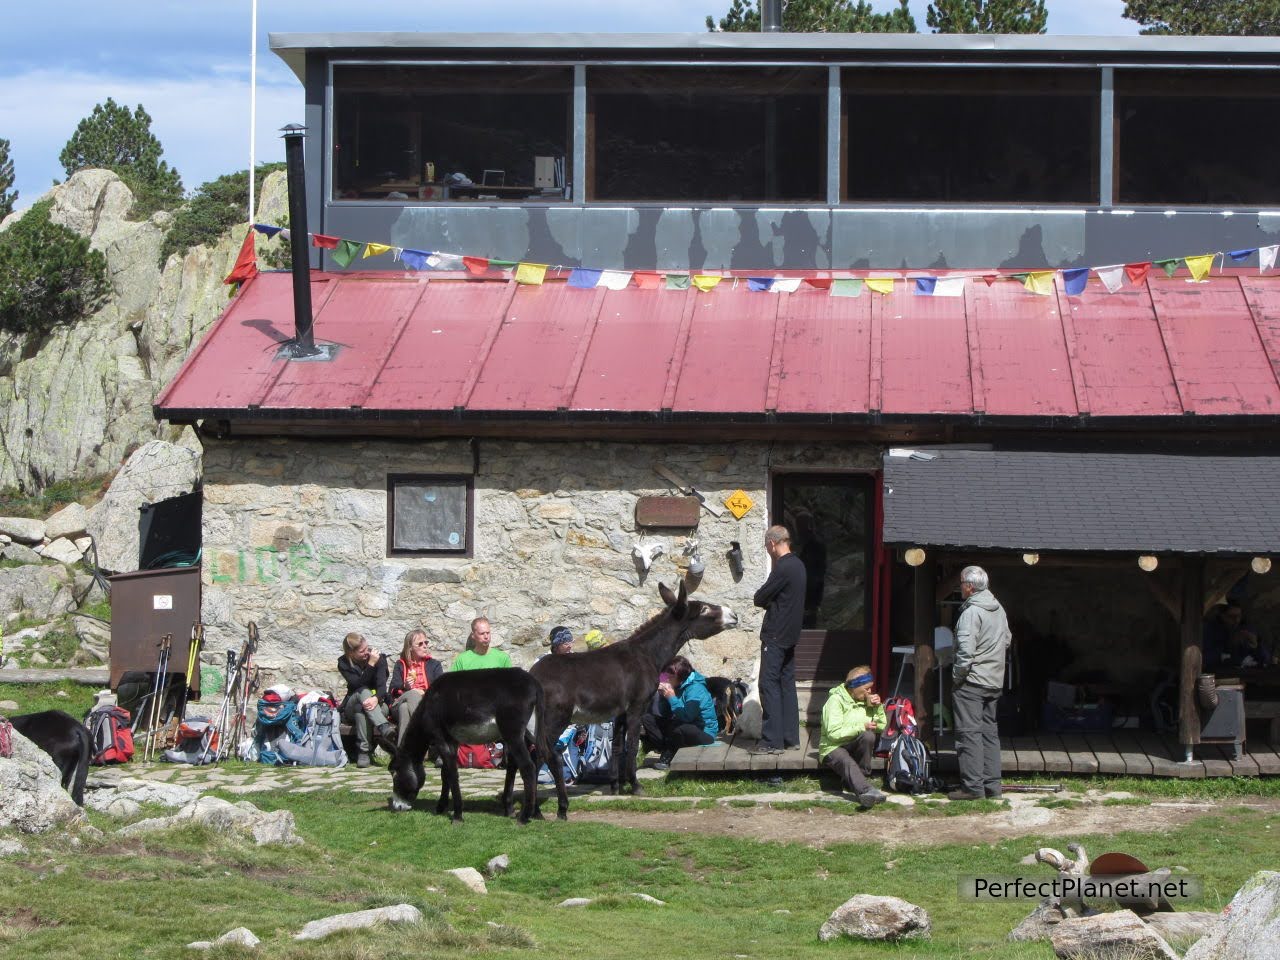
x,y
396,805
562,814
455,821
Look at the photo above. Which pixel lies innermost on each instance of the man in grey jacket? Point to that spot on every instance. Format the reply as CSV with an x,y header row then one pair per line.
x,y
982,637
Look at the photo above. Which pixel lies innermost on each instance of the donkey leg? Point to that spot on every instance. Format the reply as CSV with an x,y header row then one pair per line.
x,y
508,789
520,757
455,783
630,749
547,749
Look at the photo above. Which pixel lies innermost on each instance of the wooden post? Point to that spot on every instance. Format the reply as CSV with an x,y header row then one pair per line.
x,y
1192,631
923,616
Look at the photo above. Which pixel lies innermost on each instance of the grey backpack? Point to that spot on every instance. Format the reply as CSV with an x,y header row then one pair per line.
x,y
321,742
907,768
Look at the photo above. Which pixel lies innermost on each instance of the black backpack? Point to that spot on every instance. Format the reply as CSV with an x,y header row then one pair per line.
x,y
907,768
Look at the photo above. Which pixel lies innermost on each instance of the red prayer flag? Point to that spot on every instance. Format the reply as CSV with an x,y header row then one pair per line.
x,y
647,279
476,264
325,243
990,278
246,267
821,283
1137,272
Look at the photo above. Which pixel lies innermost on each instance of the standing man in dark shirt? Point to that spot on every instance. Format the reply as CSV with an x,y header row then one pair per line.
x,y
782,597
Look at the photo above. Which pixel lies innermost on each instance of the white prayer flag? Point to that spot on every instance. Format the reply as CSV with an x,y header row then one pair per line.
x,y
1267,257
444,261
949,287
615,279
1112,277
785,284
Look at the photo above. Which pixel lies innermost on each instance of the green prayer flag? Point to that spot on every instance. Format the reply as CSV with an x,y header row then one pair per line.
x,y
347,250
846,288
678,281
1170,267
502,264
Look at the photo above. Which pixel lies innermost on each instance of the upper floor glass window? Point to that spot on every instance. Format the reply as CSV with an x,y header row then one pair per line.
x,y
452,133
970,136
717,135
1197,137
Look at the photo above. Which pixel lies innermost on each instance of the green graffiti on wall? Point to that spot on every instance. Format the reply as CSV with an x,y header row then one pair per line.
x,y
268,565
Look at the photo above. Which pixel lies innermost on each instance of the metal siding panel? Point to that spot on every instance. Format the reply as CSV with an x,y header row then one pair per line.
x,y
926,353
1121,354
826,354
531,358
1025,368
439,347
362,316
726,363
1215,347
1263,296
631,350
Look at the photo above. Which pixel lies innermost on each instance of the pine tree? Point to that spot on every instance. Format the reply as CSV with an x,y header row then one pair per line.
x,y
113,138
987,16
7,197
819,16
1243,18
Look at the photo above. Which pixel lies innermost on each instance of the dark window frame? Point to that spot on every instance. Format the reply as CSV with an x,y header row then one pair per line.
x,y
396,479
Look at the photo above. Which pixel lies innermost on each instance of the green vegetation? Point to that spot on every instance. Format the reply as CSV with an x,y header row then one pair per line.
x,y
7,197
114,138
48,274
99,609
724,895
34,697
58,647
1220,17
819,16
987,16
213,209
38,505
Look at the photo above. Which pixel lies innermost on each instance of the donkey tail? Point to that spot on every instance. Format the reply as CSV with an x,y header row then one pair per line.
x,y
85,743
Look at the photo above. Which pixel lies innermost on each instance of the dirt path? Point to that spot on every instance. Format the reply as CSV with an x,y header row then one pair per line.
x,y
819,826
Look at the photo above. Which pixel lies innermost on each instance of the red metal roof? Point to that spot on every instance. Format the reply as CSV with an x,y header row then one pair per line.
x,y
448,345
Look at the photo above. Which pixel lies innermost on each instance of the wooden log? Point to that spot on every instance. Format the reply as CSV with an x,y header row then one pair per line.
x,y
923,619
1191,658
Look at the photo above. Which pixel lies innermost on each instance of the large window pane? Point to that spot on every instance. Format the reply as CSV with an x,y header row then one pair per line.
x,y
709,135
970,136
1197,137
452,133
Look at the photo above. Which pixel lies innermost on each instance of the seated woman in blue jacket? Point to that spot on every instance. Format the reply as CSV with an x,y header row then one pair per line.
x,y
683,713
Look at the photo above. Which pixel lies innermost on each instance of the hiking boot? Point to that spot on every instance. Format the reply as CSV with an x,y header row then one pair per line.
x,y
963,794
870,797
387,732
363,761
765,749
663,762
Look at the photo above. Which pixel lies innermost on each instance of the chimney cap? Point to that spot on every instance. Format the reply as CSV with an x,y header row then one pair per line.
x,y
294,129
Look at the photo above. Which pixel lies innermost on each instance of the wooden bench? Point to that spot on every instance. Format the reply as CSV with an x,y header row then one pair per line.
x,y
1265,710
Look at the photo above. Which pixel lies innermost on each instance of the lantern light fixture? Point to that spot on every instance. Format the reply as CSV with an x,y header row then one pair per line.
x,y
1031,559
914,557
1148,563
1260,564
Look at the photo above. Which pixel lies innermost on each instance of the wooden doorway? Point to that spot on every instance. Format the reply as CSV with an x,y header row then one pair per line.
x,y
831,519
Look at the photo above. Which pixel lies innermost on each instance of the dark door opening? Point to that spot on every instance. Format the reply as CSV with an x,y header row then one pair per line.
x,y
830,517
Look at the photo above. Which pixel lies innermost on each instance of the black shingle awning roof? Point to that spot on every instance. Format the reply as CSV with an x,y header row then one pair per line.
x,y
1031,500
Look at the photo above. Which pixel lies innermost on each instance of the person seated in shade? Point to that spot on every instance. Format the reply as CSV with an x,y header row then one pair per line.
x,y
479,655
560,640
594,640
365,671
851,723
414,673
683,713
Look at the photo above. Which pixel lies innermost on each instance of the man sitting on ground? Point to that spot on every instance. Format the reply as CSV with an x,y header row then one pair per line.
x,y
851,723
683,713
414,673
479,655
365,671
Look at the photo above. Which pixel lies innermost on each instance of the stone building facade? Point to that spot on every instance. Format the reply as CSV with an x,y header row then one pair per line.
x,y
295,538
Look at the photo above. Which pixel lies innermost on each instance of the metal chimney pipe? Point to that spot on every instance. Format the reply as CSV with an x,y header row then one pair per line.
x,y
303,344
770,16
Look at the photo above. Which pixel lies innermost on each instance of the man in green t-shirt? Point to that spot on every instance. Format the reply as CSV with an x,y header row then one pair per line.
x,y
478,656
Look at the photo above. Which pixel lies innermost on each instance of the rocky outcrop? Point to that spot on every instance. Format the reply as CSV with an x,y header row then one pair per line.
x,y
31,796
1109,936
1250,926
276,827
75,404
360,920
36,592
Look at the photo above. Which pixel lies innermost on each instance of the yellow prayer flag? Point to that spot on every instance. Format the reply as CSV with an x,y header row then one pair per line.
x,y
1040,282
705,282
375,249
533,273
1201,265
880,284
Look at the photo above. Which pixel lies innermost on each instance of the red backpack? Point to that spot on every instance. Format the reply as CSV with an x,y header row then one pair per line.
x,y
110,737
480,756
901,714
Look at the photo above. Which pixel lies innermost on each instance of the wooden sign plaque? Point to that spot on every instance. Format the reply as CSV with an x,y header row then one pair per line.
x,y
667,511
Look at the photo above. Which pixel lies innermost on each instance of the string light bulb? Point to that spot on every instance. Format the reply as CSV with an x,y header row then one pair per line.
x,y
1260,564
1031,559
914,557
1147,562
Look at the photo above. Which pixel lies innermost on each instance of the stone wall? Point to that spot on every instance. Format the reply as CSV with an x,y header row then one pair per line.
x,y
295,539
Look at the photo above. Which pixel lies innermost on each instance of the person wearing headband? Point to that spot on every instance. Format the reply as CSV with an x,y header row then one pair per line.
x,y
851,723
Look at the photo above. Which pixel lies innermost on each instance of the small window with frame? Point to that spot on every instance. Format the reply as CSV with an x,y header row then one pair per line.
x,y
429,514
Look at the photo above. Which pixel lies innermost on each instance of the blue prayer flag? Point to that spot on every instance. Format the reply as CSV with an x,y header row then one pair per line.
x,y
267,230
414,259
760,284
1239,256
1075,280
925,286
584,279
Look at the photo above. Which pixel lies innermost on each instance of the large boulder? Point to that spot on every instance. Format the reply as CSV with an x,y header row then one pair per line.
x,y
1109,936
1250,927
360,920
276,827
31,796
39,591
868,917
156,471
70,522
22,529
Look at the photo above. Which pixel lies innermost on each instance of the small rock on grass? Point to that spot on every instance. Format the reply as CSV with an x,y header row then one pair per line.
x,y
11,848
470,878
361,919
499,864
575,902
648,899
241,936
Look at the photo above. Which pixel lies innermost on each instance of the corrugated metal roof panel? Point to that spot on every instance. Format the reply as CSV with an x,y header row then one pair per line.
x,y
629,359
826,354
1022,351
725,366
924,351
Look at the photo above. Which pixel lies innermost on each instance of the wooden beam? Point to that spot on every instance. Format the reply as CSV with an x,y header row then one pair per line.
x,y
923,617
1192,626
1220,577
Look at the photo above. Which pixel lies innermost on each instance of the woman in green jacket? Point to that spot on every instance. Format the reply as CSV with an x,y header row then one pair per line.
x,y
851,723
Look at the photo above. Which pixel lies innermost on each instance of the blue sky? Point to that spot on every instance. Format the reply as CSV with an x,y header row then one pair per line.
x,y
187,62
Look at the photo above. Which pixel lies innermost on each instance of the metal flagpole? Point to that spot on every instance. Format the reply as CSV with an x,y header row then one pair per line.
x,y
253,98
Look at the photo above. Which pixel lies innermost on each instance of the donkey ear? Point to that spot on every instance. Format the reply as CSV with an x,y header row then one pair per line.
x,y
681,605
668,597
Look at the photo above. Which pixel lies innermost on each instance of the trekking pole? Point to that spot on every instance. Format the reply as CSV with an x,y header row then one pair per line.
x,y
214,732
158,697
250,684
155,699
193,660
